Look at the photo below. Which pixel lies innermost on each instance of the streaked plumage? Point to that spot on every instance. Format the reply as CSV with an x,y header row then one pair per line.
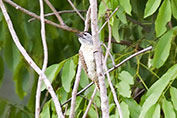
x,y
86,54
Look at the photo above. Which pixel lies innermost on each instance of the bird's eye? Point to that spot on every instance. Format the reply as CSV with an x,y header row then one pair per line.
x,y
85,34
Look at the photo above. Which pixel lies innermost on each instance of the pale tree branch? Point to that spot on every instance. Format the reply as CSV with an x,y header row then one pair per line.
x,y
98,60
90,102
74,92
38,91
59,12
108,75
76,10
55,12
64,27
30,61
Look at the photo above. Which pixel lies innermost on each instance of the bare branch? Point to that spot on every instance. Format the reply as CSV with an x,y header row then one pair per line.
x,y
59,12
74,92
30,61
108,19
38,91
55,12
98,59
90,102
76,10
38,17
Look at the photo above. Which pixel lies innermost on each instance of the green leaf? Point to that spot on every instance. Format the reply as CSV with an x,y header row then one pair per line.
x,y
46,111
68,74
174,8
102,9
1,16
126,6
162,49
124,89
126,77
115,30
62,95
121,15
156,90
154,111
173,93
52,72
1,70
168,109
151,7
125,110
84,81
111,107
134,108
163,18
92,113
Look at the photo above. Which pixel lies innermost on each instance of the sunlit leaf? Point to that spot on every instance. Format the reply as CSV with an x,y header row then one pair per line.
x,y
151,7
173,93
115,30
62,95
163,18
68,74
154,111
124,89
126,77
45,111
134,108
168,109
156,90
162,49
125,110
92,113
83,79
174,8
111,107
52,72
126,6
121,15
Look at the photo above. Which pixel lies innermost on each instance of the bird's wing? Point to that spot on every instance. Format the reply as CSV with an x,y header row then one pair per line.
x,y
81,56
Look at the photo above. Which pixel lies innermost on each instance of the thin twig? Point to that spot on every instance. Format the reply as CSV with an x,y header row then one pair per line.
x,y
59,12
108,19
90,102
55,12
38,91
38,17
30,61
108,75
112,59
74,92
76,10
98,59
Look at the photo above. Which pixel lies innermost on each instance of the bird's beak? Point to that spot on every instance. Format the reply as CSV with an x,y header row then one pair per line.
x,y
79,35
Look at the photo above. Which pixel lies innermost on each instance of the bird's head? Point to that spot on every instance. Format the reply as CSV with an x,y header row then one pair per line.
x,y
85,38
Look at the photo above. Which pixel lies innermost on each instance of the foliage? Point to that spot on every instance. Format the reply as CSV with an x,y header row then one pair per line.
x,y
146,85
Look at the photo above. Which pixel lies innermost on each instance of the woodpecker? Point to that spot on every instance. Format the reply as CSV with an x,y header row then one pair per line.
x,y
86,55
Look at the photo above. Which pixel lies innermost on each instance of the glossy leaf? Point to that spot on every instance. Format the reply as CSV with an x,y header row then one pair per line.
x,y
1,70
163,18
134,108
115,30
126,77
68,74
154,111
126,6
174,8
173,93
151,7
125,110
124,89
156,90
45,111
162,49
52,72
168,109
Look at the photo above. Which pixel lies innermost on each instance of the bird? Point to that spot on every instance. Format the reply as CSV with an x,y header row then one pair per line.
x,y
86,56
